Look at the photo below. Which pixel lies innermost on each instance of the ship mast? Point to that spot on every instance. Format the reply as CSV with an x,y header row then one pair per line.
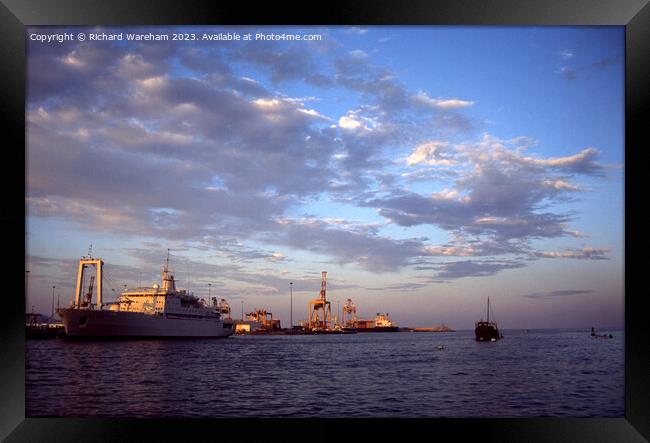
x,y
488,318
168,281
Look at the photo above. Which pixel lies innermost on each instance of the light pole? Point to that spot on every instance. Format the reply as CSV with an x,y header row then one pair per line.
x,y
291,306
338,312
52,314
209,292
26,288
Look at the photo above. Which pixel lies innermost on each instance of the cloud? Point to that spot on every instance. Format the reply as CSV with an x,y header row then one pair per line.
x,y
185,169
452,124
283,64
473,268
431,153
429,175
559,293
571,73
358,245
482,212
354,120
476,247
582,254
402,287
203,145
498,191
450,103
382,90
582,162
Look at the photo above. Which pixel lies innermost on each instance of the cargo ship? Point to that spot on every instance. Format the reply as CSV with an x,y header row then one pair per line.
x,y
148,312
381,323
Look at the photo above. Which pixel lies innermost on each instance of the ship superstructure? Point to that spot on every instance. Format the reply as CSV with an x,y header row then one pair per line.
x,y
156,311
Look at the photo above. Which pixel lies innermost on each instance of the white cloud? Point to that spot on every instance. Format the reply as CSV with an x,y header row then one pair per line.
x,y
349,123
72,59
42,113
154,84
313,113
353,121
432,153
454,251
276,257
267,103
580,158
450,103
560,185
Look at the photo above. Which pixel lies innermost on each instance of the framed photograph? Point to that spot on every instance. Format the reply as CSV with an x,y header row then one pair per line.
x,y
410,216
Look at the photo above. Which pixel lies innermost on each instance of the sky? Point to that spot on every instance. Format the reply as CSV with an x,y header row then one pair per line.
x,y
424,168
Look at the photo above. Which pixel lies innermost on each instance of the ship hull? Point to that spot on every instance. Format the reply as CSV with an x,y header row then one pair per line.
x,y
32,332
379,329
486,333
86,323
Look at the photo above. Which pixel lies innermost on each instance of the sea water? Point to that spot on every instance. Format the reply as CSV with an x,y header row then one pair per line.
x,y
565,373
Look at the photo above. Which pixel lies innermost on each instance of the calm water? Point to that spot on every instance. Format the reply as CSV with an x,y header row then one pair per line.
x,y
539,373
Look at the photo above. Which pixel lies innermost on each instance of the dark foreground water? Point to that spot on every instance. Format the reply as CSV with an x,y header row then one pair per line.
x,y
538,373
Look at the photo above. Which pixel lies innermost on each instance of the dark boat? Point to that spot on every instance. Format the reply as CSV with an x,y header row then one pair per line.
x,y
593,334
487,330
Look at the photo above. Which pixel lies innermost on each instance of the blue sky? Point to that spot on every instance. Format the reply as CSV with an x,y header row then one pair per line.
x,y
425,168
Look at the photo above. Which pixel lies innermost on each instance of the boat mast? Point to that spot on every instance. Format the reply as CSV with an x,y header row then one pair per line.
x,y
488,318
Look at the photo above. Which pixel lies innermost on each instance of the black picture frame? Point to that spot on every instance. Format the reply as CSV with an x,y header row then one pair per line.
x,y
16,14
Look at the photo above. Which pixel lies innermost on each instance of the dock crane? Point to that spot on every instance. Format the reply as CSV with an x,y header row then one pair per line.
x,y
320,304
89,295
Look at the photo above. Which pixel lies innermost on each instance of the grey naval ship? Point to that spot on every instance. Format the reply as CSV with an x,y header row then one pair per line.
x,y
156,311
